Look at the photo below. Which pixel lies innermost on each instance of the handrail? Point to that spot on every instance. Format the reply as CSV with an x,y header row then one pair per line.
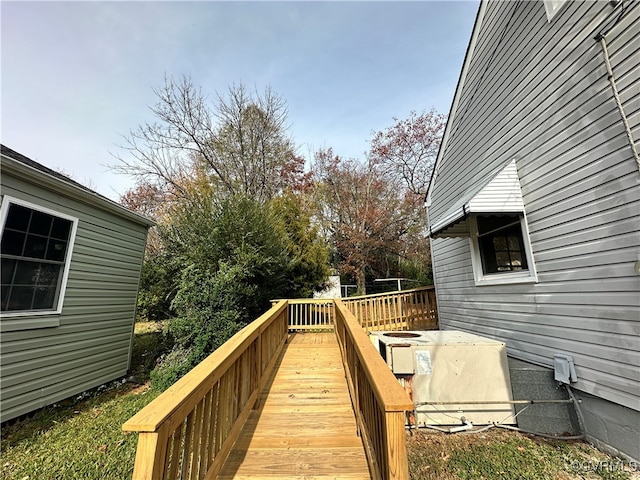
x,y
414,309
384,294
310,314
378,399
188,431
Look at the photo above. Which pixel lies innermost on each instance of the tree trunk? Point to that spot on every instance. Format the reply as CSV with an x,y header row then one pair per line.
x,y
361,282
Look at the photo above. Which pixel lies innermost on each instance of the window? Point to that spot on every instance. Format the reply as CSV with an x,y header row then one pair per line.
x,y
500,249
501,244
35,254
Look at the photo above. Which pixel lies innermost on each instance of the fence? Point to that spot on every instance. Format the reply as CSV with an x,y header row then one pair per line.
x,y
188,431
378,399
414,309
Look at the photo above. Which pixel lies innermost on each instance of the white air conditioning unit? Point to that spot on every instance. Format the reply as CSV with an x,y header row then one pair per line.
x,y
443,369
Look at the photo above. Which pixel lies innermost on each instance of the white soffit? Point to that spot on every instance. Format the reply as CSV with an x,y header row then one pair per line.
x,y
498,193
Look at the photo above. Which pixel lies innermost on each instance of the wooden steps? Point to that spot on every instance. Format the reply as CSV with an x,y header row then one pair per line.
x,y
304,426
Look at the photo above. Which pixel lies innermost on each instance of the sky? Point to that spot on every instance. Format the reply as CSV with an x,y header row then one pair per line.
x,y
77,76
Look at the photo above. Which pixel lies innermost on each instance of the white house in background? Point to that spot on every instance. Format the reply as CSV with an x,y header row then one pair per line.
x,y
534,203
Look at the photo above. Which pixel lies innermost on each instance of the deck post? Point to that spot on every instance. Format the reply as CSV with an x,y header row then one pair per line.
x,y
398,467
151,454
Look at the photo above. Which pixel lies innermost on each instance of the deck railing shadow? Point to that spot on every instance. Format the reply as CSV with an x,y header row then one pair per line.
x,y
188,431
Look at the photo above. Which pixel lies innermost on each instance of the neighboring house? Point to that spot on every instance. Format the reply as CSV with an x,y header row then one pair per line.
x,y
71,263
534,204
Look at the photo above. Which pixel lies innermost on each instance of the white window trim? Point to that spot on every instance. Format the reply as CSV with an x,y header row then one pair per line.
x,y
552,7
4,210
527,276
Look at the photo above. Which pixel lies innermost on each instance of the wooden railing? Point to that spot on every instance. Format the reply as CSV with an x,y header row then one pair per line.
x,y
405,310
188,431
308,314
378,399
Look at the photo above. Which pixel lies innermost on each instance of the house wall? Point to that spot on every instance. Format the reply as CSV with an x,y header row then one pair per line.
x,y
538,92
92,343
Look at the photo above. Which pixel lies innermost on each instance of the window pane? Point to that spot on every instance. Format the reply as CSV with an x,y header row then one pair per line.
x,y
47,274
503,261
61,228
18,217
26,273
35,247
12,242
44,298
516,261
20,298
8,267
500,243
5,296
40,223
514,243
34,273
56,250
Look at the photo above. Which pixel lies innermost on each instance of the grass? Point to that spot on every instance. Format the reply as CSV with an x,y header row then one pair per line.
x,y
81,438
499,454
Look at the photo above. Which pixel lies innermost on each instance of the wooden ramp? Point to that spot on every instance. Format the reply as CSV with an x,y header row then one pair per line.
x,y
304,426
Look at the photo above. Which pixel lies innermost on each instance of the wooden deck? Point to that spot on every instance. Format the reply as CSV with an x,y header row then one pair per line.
x,y
304,426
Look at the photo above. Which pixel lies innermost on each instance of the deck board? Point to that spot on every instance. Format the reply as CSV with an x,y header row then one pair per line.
x,y
304,426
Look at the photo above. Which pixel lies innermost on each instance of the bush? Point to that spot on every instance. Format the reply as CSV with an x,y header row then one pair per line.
x,y
156,289
230,257
212,307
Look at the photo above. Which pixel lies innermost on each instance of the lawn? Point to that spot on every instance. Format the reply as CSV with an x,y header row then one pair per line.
x,y
81,438
75,440
500,454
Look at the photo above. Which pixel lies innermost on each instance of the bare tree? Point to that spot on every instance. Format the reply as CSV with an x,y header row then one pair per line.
x,y
240,144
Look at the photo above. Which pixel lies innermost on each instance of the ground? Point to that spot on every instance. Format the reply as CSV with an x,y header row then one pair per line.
x,y
82,438
502,454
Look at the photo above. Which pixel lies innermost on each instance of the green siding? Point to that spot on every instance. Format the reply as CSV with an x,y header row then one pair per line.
x,y
90,344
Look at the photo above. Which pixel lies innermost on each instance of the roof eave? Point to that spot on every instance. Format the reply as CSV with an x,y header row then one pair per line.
x,y
456,97
15,167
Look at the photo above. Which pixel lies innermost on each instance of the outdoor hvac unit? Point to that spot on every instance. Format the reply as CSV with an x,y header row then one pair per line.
x,y
450,367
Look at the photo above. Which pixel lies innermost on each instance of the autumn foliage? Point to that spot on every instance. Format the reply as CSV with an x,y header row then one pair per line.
x,y
242,219
407,150
368,215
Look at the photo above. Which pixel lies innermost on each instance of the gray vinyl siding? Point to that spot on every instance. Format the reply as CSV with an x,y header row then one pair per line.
x,y
91,345
541,96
